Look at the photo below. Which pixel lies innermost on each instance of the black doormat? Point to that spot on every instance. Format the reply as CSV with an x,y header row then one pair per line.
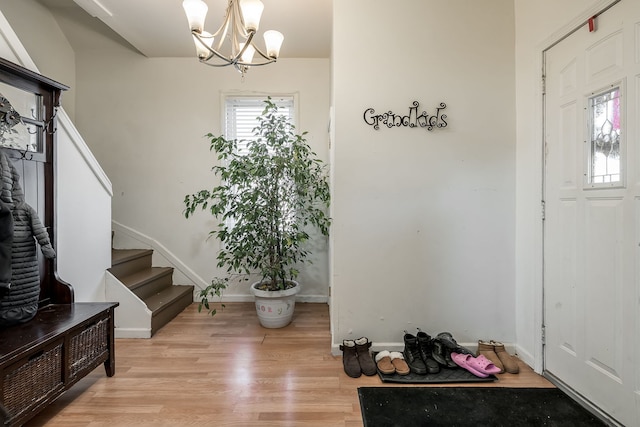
x,y
471,406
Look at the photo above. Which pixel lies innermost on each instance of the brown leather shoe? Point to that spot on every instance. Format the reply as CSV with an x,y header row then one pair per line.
x,y
367,365
486,348
509,362
350,359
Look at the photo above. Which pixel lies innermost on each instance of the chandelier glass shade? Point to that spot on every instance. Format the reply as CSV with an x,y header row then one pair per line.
x,y
233,43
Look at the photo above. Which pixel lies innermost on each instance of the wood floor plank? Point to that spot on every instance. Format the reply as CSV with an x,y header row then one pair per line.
x,y
228,371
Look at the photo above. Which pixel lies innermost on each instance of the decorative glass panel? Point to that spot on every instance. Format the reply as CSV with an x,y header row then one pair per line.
x,y
605,154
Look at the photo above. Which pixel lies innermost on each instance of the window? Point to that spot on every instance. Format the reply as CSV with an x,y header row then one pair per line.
x,y
605,154
241,114
240,118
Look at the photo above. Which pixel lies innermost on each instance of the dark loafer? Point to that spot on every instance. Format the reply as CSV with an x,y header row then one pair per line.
x,y
452,345
438,352
447,339
463,350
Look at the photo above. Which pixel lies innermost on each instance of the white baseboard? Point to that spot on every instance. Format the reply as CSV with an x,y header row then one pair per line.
x,y
320,299
132,333
526,357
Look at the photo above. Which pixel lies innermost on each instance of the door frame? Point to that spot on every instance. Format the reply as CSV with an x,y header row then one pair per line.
x,y
539,356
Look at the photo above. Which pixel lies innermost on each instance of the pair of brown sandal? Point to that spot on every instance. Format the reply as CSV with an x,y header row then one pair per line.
x,y
392,363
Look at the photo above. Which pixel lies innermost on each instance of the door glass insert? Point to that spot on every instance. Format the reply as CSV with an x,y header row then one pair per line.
x,y
605,154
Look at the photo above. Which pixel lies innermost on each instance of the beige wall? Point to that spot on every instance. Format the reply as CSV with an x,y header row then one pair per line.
x,y
47,45
424,221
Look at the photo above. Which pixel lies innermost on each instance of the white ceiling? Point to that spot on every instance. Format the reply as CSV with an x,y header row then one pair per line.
x,y
159,28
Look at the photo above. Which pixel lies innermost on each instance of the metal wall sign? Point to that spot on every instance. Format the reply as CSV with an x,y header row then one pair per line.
x,y
414,119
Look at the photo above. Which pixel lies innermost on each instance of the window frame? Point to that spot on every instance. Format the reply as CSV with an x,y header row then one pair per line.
x,y
260,97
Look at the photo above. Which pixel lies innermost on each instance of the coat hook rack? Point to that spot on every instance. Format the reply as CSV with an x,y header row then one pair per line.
x,y
48,125
23,155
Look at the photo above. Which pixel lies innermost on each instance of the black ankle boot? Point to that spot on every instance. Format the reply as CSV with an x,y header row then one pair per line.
x,y
412,354
425,345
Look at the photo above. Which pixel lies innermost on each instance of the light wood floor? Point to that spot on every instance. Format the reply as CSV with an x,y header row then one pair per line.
x,y
228,371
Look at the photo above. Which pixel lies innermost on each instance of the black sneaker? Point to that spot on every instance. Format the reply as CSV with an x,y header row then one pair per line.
x,y
412,354
425,346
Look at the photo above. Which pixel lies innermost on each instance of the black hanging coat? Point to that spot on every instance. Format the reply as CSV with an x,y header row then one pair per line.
x,y
19,303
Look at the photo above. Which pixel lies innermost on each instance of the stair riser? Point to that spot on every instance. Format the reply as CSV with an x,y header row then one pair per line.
x,y
164,316
131,266
153,286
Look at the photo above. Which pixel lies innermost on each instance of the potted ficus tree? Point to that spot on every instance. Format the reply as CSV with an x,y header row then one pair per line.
x,y
270,196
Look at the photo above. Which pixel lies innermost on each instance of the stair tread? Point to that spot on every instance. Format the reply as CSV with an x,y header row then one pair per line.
x,y
154,285
119,256
162,299
144,275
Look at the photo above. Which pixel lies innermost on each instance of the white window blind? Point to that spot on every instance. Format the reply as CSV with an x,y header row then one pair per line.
x,y
241,117
241,114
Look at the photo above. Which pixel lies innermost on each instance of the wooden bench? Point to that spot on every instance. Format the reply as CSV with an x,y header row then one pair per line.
x,y
43,357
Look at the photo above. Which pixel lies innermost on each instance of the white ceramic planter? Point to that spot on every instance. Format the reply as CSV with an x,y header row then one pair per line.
x,y
275,308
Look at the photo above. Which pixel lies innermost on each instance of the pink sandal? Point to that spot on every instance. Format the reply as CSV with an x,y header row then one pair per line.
x,y
479,366
463,360
484,365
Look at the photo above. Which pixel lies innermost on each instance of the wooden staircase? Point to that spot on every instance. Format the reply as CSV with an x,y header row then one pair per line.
x,y
153,285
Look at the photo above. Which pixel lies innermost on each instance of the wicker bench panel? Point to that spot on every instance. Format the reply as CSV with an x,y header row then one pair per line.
x,y
29,382
89,348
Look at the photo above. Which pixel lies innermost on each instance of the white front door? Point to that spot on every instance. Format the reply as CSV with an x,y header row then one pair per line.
x,y
592,212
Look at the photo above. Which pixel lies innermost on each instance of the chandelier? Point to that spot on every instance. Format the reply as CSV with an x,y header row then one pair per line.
x,y
235,43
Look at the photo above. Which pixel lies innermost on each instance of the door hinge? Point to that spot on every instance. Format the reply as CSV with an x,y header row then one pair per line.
x,y
543,208
544,84
544,336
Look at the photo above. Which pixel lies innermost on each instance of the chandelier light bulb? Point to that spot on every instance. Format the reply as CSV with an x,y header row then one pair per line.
x,y
251,13
196,11
205,38
273,40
